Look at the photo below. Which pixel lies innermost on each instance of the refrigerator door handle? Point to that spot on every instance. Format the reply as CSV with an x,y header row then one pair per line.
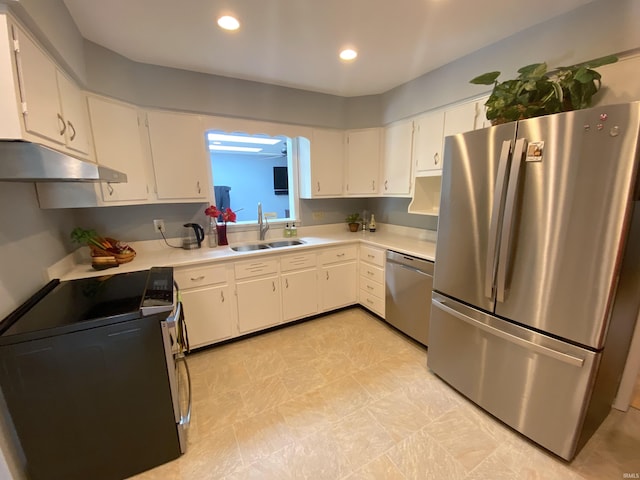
x,y
509,218
496,214
534,347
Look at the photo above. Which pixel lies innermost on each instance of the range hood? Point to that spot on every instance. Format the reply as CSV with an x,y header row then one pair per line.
x,y
31,162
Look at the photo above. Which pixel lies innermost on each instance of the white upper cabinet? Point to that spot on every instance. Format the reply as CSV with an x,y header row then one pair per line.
x,y
118,145
75,114
427,143
396,161
322,170
460,119
363,161
52,105
179,156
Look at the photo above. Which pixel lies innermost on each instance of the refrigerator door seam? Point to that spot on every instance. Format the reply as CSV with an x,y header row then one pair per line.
x,y
509,216
496,215
563,357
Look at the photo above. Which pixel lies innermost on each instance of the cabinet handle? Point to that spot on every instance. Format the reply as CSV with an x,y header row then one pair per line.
x,y
110,188
197,279
370,256
221,296
318,186
369,301
273,285
286,283
63,125
340,255
373,185
73,131
327,275
369,272
369,287
386,184
436,158
198,186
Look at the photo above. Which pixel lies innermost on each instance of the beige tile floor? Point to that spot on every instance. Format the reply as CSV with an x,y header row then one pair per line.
x,y
347,397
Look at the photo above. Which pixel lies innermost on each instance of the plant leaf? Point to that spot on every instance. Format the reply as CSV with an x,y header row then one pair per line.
x,y
486,78
533,71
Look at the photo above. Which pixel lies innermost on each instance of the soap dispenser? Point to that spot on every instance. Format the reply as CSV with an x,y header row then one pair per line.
x,y
294,231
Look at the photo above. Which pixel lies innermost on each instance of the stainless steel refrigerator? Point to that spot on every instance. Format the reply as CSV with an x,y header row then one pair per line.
x,y
536,285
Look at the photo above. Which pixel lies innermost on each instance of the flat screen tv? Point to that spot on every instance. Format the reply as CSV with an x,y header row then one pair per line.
x,y
280,181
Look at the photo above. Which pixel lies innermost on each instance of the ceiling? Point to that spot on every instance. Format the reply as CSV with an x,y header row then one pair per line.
x,y
295,43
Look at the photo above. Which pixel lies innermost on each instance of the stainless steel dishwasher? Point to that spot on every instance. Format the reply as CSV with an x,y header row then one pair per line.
x,y
408,284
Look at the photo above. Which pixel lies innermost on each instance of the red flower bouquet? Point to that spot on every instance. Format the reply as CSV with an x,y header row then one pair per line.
x,y
219,216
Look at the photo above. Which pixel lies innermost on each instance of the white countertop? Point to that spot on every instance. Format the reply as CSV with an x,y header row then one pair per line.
x,y
155,253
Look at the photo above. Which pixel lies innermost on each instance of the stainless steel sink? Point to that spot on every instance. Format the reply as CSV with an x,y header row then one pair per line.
x,y
285,243
250,247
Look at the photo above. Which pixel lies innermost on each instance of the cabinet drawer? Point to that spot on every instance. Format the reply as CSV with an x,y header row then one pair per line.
x,y
373,273
256,268
371,287
298,261
372,302
372,255
338,254
200,276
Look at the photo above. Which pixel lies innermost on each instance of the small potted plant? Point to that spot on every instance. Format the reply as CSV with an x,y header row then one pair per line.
x,y
535,91
353,221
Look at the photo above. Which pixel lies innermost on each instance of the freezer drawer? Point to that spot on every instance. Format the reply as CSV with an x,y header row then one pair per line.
x,y
534,383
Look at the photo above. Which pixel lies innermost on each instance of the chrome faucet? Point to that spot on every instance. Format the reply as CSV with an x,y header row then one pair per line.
x,y
263,225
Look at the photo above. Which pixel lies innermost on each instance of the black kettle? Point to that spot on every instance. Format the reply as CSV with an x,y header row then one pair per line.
x,y
193,236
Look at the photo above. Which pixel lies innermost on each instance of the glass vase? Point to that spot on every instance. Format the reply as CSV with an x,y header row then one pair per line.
x,y
212,234
222,234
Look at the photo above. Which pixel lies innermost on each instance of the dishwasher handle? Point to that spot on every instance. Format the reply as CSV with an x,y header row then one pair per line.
x,y
411,268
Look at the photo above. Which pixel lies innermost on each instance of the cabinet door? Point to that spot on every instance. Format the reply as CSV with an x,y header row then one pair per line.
x,y
258,303
179,156
327,162
116,136
460,119
427,142
74,112
363,161
208,314
396,164
299,294
38,90
338,285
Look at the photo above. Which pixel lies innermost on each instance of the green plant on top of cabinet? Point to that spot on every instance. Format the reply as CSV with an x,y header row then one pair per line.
x,y
363,161
397,159
53,109
180,159
322,165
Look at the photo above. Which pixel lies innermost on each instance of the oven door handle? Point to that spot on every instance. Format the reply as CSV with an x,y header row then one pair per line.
x,y
185,419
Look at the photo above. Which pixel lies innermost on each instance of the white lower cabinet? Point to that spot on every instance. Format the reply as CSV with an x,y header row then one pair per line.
x,y
338,277
299,284
371,267
258,295
207,298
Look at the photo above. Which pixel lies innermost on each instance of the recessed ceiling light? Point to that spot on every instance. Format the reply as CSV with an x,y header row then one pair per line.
x,y
228,23
348,54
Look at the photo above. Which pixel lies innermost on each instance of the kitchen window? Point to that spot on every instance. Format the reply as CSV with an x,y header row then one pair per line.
x,y
248,169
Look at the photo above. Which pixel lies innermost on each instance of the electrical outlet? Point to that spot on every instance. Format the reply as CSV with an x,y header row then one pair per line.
x,y
158,226
317,215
